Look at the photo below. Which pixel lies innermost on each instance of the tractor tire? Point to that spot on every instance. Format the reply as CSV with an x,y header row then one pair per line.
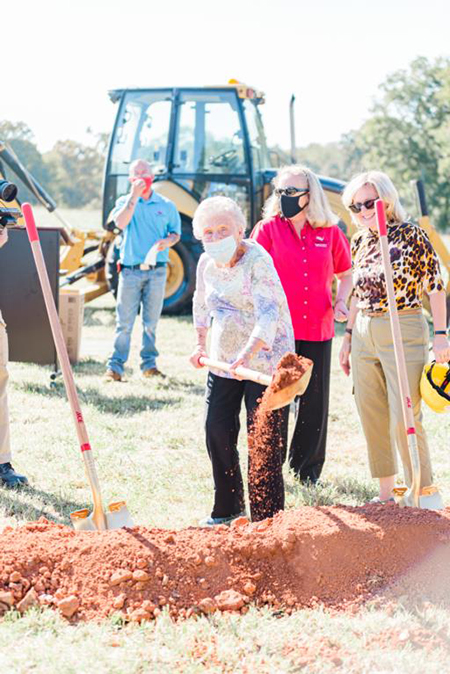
x,y
181,270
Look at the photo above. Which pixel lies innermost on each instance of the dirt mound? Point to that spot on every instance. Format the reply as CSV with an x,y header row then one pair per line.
x,y
336,556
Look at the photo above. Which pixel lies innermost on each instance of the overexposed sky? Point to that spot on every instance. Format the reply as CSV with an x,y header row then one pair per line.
x,y
60,57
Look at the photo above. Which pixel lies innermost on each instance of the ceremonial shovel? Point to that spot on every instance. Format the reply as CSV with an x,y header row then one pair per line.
x,y
117,514
275,399
429,498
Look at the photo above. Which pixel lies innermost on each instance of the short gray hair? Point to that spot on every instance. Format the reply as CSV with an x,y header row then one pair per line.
x,y
136,162
215,207
385,189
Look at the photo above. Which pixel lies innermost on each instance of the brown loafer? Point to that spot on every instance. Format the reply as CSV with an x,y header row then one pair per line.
x,y
153,372
112,375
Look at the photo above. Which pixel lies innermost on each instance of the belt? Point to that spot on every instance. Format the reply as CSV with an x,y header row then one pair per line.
x,y
374,314
143,267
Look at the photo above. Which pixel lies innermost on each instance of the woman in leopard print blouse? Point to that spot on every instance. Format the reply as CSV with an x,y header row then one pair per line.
x,y
415,269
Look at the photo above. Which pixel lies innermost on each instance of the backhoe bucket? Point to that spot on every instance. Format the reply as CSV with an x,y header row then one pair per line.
x,y
117,516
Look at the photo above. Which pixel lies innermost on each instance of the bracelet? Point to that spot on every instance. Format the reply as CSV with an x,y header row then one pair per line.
x,y
349,330
440,332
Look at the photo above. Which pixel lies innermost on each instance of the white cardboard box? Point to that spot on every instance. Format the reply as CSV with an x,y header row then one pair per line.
x,y
71,314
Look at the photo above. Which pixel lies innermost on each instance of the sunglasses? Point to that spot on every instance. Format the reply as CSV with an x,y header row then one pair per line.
x,y
290,191
368,205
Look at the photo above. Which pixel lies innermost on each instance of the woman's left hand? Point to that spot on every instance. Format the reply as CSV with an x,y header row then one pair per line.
x,y
241,361
340,311
441,348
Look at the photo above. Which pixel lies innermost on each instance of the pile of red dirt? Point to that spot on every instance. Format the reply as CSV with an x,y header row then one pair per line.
x,y
336,556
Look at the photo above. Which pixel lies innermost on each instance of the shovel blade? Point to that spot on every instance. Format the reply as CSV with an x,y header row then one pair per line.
x,y
117,516
288,394
429,499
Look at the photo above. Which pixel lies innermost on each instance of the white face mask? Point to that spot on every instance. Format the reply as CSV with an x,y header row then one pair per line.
x,y
221,251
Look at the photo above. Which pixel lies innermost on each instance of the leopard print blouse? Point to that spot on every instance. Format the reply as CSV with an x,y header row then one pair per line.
x,y
415,268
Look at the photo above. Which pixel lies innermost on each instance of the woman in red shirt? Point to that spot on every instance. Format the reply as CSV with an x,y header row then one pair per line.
x,y
308,249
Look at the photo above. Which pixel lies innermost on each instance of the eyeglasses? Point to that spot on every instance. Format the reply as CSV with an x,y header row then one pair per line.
x,y
368,205
290,191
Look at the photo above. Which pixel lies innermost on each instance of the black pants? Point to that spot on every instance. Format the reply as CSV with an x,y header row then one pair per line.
x,y
307,450
266,488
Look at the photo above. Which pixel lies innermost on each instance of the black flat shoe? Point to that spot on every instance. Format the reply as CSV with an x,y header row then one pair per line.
x,y
9,478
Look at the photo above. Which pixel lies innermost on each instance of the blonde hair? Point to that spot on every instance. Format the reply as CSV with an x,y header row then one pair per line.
x,y
318,210
385,189
215,207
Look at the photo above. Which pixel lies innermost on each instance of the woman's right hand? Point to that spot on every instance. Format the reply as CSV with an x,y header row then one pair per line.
x,y
194,359
344,354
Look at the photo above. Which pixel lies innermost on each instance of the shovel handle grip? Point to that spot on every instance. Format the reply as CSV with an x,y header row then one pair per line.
x,y
30,223
244,372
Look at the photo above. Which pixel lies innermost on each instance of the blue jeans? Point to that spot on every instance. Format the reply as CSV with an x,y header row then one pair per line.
x,y
137,287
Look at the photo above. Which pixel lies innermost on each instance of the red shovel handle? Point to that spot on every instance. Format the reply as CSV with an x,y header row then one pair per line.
x,y
30,223
381,217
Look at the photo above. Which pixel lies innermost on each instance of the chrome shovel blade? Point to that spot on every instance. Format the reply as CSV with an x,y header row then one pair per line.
x,y
429,500
117,516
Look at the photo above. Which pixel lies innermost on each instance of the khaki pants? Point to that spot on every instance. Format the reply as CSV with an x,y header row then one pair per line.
x,y
5,451
377,392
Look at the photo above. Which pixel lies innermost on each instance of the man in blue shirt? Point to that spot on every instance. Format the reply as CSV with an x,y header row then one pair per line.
x,y
148,221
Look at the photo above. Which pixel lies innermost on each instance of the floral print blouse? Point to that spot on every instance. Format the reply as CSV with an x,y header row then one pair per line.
x,y
414,263
243,302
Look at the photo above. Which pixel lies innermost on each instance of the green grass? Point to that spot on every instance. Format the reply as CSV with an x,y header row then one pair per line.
x,y
149,445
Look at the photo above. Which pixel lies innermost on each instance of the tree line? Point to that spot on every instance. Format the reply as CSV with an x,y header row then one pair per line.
x,y
407,135
70,172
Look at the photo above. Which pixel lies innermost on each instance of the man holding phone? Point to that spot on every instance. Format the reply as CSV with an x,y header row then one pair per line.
x,y
151,225
8,476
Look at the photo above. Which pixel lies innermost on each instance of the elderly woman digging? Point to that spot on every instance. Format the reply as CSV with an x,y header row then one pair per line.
x,y
240,297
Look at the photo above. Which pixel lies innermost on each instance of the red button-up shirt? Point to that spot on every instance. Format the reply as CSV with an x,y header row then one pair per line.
x,y
306,265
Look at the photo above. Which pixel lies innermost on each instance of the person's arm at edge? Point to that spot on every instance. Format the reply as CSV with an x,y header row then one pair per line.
x,y
344,353
441,345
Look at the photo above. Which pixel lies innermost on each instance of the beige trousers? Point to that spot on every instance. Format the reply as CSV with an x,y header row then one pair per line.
x,y
377,393
5,450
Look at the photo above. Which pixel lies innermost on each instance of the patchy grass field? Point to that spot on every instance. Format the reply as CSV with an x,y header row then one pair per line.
x,y
148,441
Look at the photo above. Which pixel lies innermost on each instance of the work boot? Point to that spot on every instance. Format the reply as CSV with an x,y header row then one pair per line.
x,y
9,478
153,372
112,375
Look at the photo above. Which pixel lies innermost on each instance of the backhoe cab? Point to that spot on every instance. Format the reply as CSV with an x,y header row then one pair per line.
x,y
203,142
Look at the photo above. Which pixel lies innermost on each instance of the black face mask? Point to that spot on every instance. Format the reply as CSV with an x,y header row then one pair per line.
x,y
290,206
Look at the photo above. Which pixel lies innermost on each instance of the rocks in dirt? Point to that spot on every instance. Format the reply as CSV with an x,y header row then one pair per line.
x,y
140,576
229,600
120,576
6,602
207,606
249,588
7,598
142,563
68,606
119,601
30,599
138,615
304,558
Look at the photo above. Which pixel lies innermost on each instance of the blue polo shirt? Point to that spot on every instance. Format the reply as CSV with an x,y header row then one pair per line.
x,y
153,219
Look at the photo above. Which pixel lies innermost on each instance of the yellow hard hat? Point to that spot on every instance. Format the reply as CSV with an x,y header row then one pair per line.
x,y
435,386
